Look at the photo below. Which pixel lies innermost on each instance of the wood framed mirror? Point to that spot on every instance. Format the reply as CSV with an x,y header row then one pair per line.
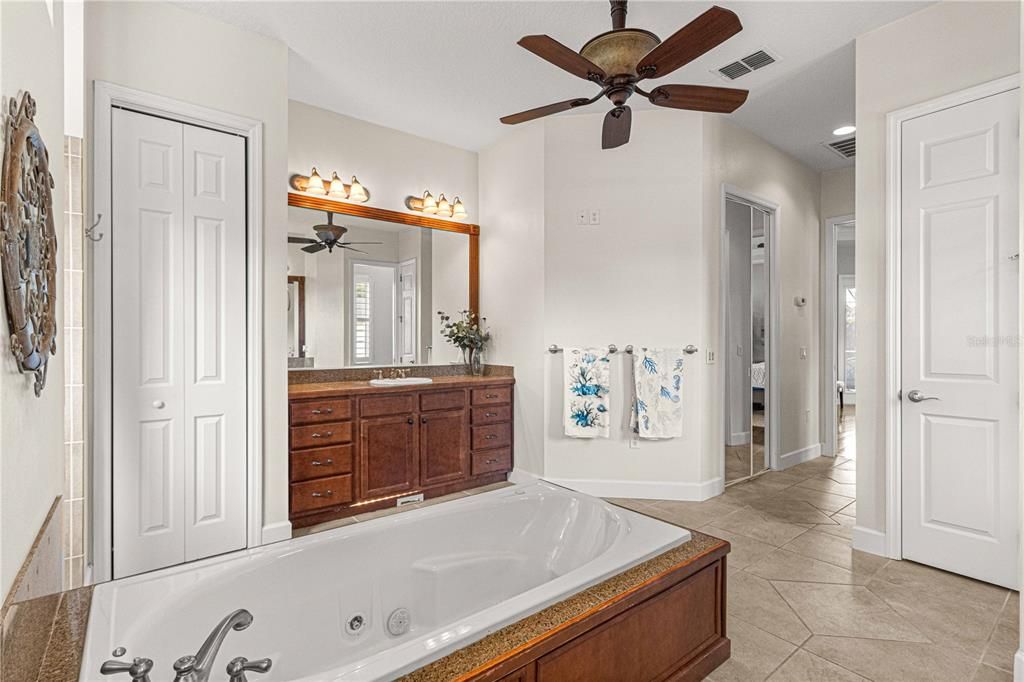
x,y
382,251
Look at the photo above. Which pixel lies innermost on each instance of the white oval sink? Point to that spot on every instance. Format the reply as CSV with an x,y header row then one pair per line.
x,y
401,382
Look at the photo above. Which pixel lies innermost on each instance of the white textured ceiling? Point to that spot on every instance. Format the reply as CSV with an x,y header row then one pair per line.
x,y
448,70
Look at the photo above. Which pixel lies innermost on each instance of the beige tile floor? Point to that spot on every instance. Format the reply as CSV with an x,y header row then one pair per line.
x,y
803,605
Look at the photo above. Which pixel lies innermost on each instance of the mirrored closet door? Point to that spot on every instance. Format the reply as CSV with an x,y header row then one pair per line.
x,y
746,355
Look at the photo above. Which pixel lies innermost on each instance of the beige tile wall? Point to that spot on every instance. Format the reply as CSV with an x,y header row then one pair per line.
x,y
75,506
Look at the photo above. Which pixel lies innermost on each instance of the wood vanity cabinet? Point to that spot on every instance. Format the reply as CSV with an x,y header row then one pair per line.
x,y
354,449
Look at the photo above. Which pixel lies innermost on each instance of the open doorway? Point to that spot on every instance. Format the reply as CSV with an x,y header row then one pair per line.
x,y
746,356
839,389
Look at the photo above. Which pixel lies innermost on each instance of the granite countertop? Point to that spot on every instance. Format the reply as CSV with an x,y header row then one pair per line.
x,y
333,388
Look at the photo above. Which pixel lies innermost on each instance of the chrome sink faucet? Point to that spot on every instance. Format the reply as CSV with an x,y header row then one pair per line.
x,y
197,668
138,669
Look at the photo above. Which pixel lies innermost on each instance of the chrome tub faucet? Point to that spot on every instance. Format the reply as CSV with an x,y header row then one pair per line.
x,y
197,668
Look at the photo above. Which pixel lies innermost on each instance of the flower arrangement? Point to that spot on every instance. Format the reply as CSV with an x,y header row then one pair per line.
x,y
465,333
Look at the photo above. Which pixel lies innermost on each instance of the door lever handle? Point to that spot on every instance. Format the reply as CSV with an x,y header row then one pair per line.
x,y
916,396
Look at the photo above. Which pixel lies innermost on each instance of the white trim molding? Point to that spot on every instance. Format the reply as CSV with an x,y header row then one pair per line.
x,y
799,456
107,96
276,532
870,541
644,490
893,535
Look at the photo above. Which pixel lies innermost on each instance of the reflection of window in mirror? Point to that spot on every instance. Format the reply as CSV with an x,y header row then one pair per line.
x,y
361,314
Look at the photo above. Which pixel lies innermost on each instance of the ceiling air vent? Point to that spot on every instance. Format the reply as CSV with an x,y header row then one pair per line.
x,y
758,60
734,70
846,148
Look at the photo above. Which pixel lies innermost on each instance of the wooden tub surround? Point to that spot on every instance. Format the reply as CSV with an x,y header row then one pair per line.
x,y
355,448
661,620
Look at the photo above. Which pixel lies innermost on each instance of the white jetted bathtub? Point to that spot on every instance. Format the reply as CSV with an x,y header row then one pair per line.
x,y
460,569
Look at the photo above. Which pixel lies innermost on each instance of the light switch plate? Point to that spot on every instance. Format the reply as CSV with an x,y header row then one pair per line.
x,y
582,216
803,352
711,357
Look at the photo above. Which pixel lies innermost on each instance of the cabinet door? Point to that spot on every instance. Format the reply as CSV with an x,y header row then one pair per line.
x,y
387,455
443,447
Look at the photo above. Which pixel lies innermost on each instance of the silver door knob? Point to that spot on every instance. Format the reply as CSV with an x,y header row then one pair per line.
x,y
916,396
159,404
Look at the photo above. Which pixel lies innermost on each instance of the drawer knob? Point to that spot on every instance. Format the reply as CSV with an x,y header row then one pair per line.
x,y
490,436
327,493
322,410
325,434
318,463
424,420
410,420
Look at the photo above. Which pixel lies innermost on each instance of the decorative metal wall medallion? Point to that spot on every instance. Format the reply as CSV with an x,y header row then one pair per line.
x,y
28,241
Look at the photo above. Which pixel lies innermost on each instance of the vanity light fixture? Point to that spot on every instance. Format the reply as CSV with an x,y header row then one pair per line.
x,y
335,188
440,206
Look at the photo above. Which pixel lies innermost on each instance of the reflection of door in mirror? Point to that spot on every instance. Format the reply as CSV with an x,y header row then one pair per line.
x,y
373,287
296,316
407,317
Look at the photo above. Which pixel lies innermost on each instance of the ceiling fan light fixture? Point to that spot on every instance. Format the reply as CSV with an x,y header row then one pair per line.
x,y
618,52
338,189
315,184
356,192
458,209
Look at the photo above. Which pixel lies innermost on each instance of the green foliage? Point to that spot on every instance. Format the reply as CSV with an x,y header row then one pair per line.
x,y
466,332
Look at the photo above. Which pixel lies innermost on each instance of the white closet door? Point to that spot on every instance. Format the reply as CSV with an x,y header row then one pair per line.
x,y
407,323
179,300
148,344
960,273
215,342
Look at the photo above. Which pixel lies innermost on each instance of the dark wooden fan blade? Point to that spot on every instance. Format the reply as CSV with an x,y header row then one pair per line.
x,y
705,32
616,127
301,240
343,246
547,110
699,98
314,248
549,49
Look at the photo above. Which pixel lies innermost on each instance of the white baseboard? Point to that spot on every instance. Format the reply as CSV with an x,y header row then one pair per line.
x,y
275,532
870,541
645,490
1018,666
799,456
518,476
741,438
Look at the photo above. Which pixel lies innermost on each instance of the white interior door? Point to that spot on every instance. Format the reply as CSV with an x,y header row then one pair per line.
x,y
178,302
407,324
959,317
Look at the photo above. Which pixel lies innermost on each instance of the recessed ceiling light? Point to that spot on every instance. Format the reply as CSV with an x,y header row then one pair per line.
x,y
844,130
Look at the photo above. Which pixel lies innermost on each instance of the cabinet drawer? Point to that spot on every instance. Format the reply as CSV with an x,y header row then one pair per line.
x,y
442,400
493,395
486,461
320,435
493,436
320,462
380,405
319,411
492,414
323,492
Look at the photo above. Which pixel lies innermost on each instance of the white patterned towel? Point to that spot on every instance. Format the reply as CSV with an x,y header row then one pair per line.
x,y
657,379
586,392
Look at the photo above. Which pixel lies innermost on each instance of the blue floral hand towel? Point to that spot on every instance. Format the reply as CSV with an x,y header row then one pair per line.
x,y
586,392
657,380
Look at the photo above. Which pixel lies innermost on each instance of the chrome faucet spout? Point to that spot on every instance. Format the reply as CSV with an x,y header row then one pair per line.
x,y
197,668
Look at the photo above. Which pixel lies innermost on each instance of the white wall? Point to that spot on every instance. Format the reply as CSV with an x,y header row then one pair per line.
x,y
739,158
633,279
512,276
837,192
163,49
942,49
31,434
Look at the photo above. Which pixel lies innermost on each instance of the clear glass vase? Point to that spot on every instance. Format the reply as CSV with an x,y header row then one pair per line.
x,y
474,361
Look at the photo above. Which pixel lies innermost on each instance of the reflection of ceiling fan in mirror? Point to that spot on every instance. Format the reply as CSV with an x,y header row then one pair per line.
x,y
328,237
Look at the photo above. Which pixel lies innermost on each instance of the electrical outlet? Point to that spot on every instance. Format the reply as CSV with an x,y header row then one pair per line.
x,y
595,216
582,216
803,352
711,357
